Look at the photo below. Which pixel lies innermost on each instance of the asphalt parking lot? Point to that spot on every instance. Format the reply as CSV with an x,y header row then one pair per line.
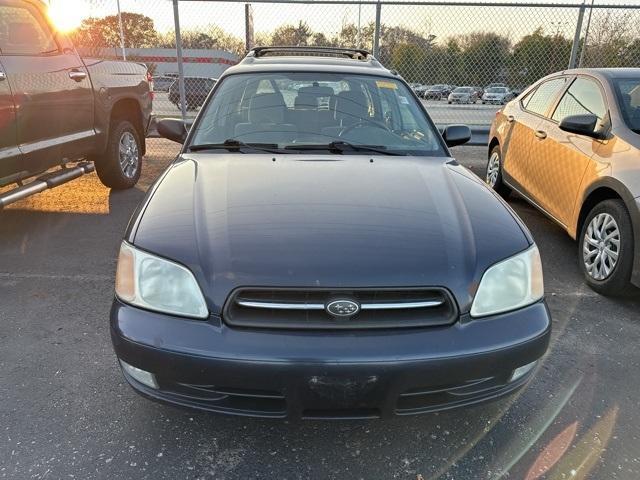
x,y
67,412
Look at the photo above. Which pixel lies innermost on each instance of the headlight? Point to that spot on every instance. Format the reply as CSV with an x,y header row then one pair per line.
x,y
510,284
155,283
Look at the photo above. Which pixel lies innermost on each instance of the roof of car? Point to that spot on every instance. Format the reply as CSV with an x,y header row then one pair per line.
x,y
316,59
608,72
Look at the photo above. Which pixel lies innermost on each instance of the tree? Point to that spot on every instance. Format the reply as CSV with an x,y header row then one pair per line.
x,y
292,35
392,36
537,55
139,32
445,65
612,38
408,59
213,38
484,58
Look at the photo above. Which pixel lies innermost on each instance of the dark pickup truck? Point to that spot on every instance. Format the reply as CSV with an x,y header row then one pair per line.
x,y
60,110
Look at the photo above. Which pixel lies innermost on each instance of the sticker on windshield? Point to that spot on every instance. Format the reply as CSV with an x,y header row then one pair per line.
x,y
403,100
383,84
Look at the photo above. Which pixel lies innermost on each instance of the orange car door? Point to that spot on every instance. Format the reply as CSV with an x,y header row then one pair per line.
x,y
558,158
525,120
518,139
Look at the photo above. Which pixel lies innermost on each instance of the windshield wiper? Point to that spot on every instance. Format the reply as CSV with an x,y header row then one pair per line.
x,y
234,145
340,147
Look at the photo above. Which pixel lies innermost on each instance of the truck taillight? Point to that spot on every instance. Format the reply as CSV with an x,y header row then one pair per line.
x,y
150,81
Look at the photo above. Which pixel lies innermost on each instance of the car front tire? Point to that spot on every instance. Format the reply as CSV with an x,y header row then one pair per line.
x,y
493,175
605,249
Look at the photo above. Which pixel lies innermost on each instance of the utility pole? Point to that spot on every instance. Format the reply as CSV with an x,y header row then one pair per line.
x,y
376,33
124,53
183,96
576,37
359,16
248,27
586,36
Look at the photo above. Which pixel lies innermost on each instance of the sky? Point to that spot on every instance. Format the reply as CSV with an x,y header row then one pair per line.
x,y
441,21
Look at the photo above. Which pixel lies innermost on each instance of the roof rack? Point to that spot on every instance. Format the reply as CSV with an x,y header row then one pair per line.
x,y
353,53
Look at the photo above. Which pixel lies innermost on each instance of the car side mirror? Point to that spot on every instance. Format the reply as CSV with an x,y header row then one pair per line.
x,y
456,135
172,129
581,124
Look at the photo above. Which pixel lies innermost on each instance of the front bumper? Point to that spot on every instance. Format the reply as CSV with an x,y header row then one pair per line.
x,y
307,374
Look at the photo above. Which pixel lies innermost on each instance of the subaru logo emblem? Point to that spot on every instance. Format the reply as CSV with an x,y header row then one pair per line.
x,y
342,308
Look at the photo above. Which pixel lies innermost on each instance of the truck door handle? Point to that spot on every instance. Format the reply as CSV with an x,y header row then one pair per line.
x,y
510,118
77,75
3,76
541,134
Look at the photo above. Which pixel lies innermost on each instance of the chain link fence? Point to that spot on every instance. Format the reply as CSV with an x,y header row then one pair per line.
x,y
463,59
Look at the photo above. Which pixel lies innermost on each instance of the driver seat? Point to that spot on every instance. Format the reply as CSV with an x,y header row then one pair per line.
x,y
351,107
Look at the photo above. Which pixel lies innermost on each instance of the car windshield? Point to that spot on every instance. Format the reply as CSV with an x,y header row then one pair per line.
x,y
316,111
463,90
496,90
628,93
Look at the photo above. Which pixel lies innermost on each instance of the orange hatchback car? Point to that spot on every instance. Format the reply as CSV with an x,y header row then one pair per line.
x,y
570,145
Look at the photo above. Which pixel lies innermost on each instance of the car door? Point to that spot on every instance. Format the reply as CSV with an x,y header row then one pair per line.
x,y
9,152
51,89
525,119
559,159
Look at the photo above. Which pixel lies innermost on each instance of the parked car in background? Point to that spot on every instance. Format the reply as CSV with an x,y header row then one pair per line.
x,y
497,95
494,85
196,90
420,90
463,95
571,146
57,108
161,83
479,91
266,275
437,92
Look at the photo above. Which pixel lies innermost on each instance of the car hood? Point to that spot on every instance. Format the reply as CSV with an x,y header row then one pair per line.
x,y
336,221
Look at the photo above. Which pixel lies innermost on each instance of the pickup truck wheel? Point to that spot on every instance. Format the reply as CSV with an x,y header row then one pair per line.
x,y
121,164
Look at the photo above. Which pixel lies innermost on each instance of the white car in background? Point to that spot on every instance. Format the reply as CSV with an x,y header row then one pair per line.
x,y
463,95
497,95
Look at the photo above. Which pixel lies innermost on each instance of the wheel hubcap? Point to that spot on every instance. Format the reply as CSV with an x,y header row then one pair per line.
x,y
129,157
601,246
493,169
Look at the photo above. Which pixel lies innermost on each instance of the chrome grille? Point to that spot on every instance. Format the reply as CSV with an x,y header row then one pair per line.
x,y
307,308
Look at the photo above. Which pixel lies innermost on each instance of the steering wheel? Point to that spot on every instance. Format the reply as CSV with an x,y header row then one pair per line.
x,y
364,123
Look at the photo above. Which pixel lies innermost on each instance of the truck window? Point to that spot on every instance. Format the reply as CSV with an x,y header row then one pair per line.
x,y
24,32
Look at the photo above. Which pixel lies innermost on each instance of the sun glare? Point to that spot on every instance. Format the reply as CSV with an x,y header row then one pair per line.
x,y
66,15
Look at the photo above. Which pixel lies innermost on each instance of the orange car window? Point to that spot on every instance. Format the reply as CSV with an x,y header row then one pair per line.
x,y
582,97
540,100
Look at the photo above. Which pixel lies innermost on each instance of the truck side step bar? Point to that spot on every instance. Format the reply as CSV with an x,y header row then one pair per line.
x,y
44,182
